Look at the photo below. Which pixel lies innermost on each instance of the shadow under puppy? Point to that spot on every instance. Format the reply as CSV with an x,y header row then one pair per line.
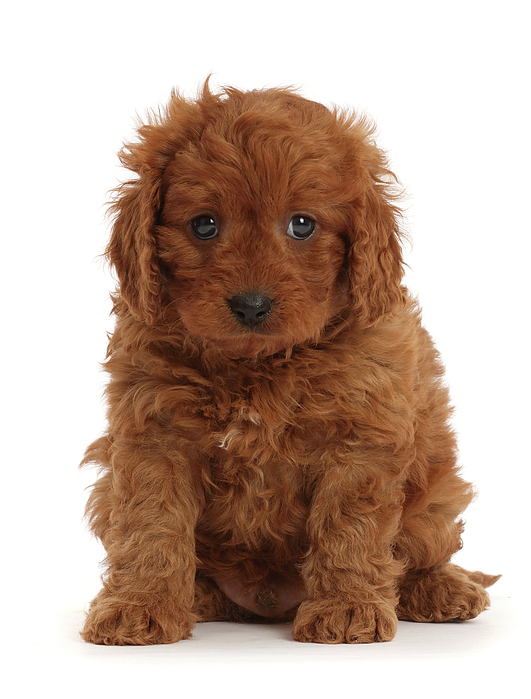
x,y
278,443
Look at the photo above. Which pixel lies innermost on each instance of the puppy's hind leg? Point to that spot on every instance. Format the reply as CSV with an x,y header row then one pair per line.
x,y
432,588
446,593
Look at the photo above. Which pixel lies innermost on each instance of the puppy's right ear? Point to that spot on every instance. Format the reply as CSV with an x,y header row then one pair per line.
x,y
132,249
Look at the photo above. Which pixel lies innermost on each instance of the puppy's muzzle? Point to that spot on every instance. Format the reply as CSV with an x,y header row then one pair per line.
x,y
250,309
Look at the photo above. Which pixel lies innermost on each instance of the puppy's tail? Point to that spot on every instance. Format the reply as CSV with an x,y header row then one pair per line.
x,y
479,577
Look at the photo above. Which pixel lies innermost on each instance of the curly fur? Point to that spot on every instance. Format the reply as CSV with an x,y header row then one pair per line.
x,y
304,469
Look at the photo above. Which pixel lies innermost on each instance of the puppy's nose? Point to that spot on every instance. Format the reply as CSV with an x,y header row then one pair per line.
x,y
250,309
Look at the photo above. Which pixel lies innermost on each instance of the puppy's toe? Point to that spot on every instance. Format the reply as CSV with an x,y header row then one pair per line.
x,y
336,621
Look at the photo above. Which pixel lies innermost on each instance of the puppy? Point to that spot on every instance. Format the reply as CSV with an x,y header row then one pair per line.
x,y
279,444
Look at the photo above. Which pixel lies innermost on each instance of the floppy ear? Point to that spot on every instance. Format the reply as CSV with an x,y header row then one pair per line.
x,y
132,247
376,265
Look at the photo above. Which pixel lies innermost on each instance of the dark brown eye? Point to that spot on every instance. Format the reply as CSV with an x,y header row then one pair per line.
x,y
204,227
301,227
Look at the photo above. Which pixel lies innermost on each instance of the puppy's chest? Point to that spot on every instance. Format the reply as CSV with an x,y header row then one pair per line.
x,y
246,433
270,431
249,447
253,417
257,478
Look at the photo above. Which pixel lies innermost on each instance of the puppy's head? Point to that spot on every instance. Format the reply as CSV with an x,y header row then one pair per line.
x,y
256,219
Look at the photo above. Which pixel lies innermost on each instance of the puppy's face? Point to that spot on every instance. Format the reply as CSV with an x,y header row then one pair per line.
x,y
253,251
253,283
257,218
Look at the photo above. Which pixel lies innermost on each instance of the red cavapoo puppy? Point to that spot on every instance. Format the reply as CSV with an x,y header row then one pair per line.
x,y
279,443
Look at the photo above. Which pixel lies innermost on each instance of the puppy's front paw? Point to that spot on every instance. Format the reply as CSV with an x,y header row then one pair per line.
x,y
336,621
112,622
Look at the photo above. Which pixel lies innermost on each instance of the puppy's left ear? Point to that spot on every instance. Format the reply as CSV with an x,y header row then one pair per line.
x,y
376,265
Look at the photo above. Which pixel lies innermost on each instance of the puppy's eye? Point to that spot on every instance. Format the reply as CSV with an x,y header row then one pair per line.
x,y
301,227
204,227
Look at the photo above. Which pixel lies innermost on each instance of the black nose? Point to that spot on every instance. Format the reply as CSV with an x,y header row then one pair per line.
x,y
250,309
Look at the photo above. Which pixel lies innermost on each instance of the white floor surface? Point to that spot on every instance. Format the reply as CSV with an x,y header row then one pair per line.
x,y
488,654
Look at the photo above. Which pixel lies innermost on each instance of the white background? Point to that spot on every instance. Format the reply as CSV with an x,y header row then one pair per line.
x,y
448,85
